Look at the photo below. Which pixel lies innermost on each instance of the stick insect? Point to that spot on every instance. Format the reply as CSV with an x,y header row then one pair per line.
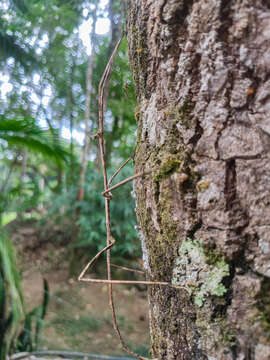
x,y
108,197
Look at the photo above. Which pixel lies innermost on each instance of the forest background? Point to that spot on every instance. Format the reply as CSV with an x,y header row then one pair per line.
x,y
52,58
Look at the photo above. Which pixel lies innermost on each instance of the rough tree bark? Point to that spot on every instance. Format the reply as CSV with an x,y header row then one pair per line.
x,y
202,76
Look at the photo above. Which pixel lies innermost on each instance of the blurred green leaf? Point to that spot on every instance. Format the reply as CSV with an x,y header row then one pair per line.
x,y
25,133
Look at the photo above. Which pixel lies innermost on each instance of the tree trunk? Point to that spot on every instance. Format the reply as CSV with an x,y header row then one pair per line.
x,y
116,24
89,76
201,70
71,120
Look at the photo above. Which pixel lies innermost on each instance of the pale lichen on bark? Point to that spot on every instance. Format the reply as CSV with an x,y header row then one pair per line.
x,y
201,70
203,274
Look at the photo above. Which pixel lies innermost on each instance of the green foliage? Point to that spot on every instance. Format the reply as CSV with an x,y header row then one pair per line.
x,y
11,299
26,133
9,47
20,5
120,127
8,217
28,339
91,220
12,309
92,216
19,197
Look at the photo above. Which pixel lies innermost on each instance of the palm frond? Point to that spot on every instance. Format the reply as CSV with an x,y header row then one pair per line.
x,y
11,275
26,125
26,133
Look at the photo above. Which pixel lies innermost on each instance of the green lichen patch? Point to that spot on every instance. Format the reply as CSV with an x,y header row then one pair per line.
x,y
170,163
192,269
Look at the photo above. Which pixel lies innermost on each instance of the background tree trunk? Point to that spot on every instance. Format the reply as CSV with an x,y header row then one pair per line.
x,y
88,95
202,77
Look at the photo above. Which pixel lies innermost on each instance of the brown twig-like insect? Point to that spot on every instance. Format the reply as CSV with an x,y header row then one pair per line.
x,y
108,197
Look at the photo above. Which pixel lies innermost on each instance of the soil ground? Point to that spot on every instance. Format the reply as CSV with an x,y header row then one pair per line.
x,y
78,316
